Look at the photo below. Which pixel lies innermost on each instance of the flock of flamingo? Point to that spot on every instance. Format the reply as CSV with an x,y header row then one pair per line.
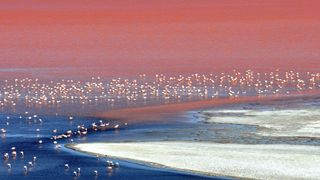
x,y
33,92
80,131
14,155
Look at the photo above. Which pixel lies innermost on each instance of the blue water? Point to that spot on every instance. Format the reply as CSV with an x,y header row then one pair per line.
x,y
49,164
189,126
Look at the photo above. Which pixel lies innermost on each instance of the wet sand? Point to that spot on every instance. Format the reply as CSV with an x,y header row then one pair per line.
x,y
234,160
145,113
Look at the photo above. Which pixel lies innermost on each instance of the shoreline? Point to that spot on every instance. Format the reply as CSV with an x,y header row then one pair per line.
x,y
245,162
143,114
258,154
153,165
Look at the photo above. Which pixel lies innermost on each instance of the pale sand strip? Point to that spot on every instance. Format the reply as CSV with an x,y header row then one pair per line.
x,y
234,160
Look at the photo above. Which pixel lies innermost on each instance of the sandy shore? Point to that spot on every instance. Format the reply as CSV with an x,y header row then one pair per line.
x,y
234,160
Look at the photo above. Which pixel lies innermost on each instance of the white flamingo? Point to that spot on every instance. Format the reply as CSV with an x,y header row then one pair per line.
x,y
6,156
95,172
21,154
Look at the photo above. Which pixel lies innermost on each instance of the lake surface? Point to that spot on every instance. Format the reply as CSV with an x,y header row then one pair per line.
x,y
24,133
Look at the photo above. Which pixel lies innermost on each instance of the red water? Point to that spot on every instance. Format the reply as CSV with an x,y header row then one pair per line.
x,y
161,36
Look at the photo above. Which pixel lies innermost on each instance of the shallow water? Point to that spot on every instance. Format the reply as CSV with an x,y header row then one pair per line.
x,y
22,134
294,121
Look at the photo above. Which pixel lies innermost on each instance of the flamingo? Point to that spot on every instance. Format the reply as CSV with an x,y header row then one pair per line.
x,y
25,169
6,156
3,130
95,172
78,172
22,154
14,153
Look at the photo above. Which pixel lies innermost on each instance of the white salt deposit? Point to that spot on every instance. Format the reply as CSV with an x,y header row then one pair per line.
x,y
293,122
235,160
